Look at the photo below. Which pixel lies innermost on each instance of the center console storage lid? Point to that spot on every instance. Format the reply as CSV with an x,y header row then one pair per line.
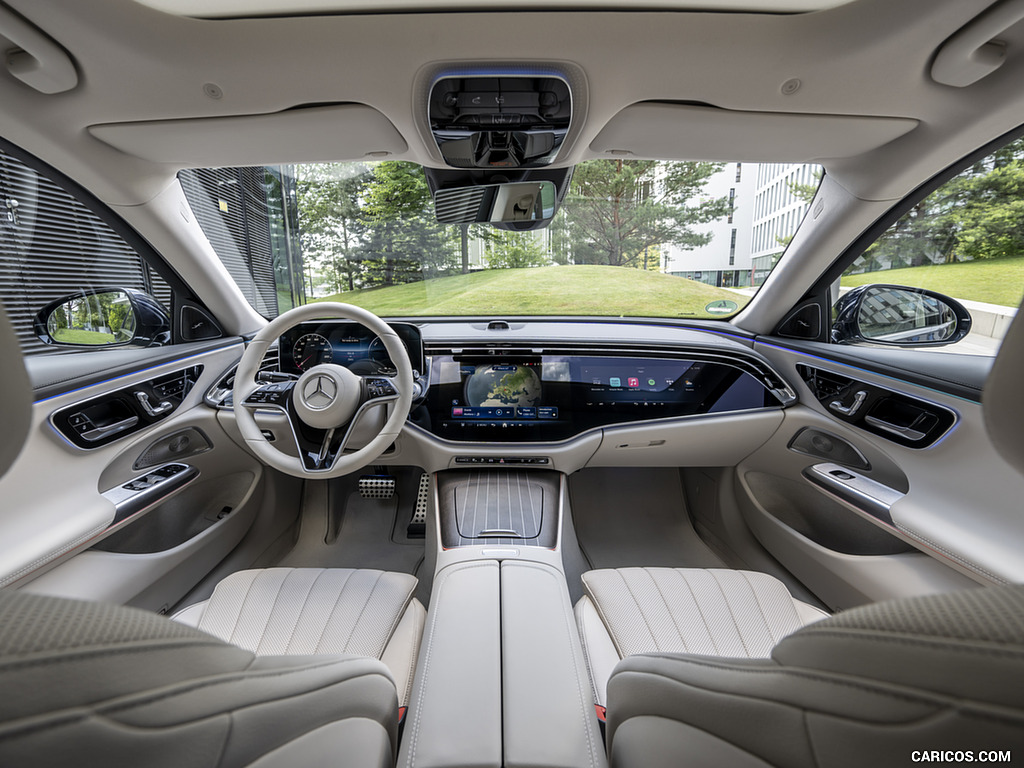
x,y
505,501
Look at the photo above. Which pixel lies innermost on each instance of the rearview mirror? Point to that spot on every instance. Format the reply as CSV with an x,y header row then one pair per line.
x,y
496,203
896,315
104,317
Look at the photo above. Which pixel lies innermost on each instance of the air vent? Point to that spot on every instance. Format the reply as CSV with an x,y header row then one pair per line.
x,y
220,393
272,360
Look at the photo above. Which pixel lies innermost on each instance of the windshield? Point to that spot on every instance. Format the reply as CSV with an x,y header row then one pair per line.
x,y
682,240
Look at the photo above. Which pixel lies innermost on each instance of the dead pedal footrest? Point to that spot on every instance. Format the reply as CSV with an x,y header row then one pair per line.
x,y
418,525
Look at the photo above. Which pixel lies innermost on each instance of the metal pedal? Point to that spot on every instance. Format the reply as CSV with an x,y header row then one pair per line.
x,y
376,486
418,525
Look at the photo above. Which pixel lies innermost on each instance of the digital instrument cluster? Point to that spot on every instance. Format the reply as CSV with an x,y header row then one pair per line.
x,y
347,344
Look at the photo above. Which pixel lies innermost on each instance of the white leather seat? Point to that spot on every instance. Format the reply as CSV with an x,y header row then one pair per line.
x,y
318,611
712,612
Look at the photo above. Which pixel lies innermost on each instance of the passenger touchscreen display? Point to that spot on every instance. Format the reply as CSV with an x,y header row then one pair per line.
x,y
554,397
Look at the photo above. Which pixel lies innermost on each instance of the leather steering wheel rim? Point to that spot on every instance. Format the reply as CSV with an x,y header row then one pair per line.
x,y
245,384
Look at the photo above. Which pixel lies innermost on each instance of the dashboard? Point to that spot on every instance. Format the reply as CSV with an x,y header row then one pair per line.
x,y
532,389
478,396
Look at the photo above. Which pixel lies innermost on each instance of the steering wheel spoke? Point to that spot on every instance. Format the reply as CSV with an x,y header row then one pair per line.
x,y
275,394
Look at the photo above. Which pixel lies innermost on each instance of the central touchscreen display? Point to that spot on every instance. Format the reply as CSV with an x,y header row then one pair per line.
x,y
552,397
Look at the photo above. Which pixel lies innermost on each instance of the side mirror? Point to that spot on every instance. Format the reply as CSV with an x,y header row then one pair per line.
x,y
104,317
527,201
899,316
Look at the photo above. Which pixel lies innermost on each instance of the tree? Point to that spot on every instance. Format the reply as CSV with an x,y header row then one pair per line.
x,y
986,213
332,227
618,209
978,214
405,242
516,250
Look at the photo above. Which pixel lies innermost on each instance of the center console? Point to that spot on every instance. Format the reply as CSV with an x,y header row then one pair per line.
x,y
501,662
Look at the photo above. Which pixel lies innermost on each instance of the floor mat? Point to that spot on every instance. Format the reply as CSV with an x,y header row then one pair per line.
x,y
636,517
341,529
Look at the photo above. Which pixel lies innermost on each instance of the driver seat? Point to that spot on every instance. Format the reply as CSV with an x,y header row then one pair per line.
x,y
90,684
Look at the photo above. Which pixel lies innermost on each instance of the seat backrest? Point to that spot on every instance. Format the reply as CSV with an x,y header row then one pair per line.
x,y
1001,402
88,684
15,394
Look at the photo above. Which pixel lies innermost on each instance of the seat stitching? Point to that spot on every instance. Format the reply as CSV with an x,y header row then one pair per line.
x,y
417,711
639,609
241,606
399,614
760,608
810,740
341,593
109,710
700,609
362,611
584,641
604,618
567,624
732,613
273,608
668,608
305,602
924,699
411,672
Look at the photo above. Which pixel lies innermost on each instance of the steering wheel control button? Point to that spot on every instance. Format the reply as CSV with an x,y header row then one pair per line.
x,y
270,394
326,396
380,388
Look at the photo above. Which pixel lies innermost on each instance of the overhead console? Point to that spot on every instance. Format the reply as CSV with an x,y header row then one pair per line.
x,y
489,395
500,120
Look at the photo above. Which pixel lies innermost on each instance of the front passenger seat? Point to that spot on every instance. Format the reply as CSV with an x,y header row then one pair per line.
x,y
932,679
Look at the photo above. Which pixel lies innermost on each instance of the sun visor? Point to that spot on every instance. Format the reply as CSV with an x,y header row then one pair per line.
x,y
302,135
664,131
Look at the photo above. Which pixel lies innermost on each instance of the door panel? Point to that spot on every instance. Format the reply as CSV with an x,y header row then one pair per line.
x,y
950,517
60,529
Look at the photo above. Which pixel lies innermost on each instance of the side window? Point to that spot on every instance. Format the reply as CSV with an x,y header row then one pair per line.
x,y
964,241
52,247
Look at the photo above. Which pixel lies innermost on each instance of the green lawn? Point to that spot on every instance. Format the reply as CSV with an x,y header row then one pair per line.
x,y
999,281
75,336
569,290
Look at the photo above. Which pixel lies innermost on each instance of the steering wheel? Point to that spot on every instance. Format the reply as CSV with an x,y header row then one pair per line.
x,y
325,401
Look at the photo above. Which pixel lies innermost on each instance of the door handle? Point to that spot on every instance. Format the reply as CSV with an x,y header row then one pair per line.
x,y
110,429
908,432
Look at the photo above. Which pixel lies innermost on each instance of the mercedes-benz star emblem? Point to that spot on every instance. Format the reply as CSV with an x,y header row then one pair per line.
x,y
320,392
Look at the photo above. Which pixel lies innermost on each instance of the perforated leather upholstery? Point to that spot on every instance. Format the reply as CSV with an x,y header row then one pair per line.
x,y
95,685
870,686
317,611
714,612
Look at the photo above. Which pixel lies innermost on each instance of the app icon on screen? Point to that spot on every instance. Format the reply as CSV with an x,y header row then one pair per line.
x,y
615,381
633,381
